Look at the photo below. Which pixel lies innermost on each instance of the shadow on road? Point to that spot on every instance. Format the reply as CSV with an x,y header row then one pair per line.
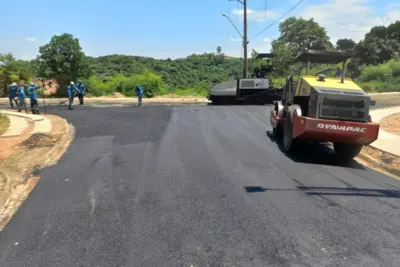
x,y
315,153
332,191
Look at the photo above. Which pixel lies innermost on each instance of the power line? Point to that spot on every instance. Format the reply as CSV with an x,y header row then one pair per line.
x,y
273,23
266,7
272,3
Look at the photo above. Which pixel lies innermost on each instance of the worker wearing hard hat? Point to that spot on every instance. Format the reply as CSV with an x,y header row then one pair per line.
x,y
12,94
72,90
33,96
82,91
21,98
139,93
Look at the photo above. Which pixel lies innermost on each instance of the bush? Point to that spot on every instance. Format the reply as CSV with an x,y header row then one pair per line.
x,y
381,78
381,87
381,72
97,87
394,64
151,83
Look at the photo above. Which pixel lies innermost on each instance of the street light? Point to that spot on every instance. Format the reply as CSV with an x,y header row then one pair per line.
x,y
224,15
244,36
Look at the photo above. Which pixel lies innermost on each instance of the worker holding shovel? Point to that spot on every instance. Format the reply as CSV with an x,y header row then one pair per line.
x,y
12,94
22,98
33,96
82,91
72,90
139,93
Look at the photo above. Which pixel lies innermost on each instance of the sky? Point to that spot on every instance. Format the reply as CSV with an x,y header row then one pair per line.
x,y
176,28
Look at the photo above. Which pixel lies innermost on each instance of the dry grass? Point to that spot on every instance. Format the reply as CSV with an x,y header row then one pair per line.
x,y
391,124
384,160
4,123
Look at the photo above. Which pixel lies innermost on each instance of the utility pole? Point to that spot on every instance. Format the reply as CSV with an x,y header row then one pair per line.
x,y
244,36
246,61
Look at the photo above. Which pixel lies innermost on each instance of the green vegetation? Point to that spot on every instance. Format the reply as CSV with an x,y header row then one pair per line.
x,y
126,85
13,71
62,59
193,75
381,78
4,123
375,65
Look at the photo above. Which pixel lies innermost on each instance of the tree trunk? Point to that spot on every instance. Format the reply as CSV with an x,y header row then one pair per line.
x,y
61,87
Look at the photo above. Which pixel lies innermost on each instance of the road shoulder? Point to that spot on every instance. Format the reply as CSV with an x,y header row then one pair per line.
x,y
23,155
384,153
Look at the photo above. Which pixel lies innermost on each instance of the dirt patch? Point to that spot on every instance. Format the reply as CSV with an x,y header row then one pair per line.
x,y
41,140
26,156
380,160
4,123
391,124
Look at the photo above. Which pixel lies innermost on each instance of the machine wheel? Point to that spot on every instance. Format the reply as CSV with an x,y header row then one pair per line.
x,y
215,100
288,142
278,131
291,144
347,152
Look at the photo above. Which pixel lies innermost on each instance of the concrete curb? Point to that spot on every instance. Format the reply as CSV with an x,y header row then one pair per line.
x,y
17,126
379,145
379,164
41,123
386,140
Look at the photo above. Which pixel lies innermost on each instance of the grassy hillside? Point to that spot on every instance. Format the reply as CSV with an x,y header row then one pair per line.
x,y
192,75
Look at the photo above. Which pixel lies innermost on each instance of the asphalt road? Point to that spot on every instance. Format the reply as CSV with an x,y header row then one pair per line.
x,y
200,186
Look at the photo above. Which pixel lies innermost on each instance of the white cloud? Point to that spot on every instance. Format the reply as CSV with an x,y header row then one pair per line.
x,y
30,39
349,18
236,40
256,15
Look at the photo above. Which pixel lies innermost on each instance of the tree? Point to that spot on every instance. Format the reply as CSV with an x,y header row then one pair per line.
x,y
12,70
61,59
219,49
345,44
254,53
283,61
304,34
379,45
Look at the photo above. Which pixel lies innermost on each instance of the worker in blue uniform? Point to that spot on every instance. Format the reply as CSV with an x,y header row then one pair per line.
x,y
139,93
12,94
82,91
21,98
72,91
33,96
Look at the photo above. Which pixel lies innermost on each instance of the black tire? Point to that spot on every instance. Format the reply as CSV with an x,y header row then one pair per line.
x,y
288,141
216,100
346,152
278,131
290,144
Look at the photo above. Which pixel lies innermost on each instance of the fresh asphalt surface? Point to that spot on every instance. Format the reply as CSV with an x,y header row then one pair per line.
x,y
200,186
